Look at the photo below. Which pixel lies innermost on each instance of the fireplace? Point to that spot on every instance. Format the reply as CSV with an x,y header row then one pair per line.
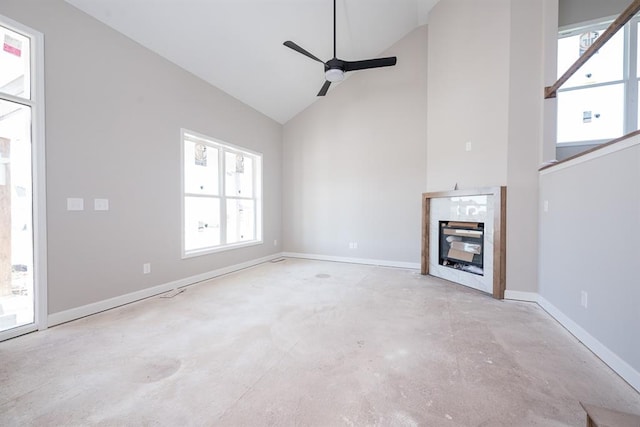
x,y
462,246
463,237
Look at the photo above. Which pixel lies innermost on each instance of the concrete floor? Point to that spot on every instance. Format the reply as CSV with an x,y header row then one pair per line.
x,y
314,343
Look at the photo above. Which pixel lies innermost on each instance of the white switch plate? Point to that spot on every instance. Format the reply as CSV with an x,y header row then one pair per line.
x,y
75,204
467,146
584,301
546,206
101,204
146,268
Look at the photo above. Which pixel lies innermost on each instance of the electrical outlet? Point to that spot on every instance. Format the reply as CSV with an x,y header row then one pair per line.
x,y
275,242
101,204
146,268
584,301
75,204
546,206
353,245
467,146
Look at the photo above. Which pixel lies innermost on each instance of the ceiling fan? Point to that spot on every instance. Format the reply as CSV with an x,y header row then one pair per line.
x,y
335,68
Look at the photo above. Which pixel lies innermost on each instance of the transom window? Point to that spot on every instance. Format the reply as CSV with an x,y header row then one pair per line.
x,y
600,101
222,195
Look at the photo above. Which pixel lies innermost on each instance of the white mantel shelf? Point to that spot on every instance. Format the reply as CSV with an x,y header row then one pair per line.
x,y
499,198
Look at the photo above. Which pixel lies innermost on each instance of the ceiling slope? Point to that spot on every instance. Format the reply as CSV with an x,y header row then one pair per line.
x,y
236,45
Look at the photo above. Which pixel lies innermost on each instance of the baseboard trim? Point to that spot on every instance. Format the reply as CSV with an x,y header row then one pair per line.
x,y
622,368
365,261
97,307
520,296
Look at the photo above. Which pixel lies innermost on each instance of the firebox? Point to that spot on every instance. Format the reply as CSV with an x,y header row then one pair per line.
x,y
462,246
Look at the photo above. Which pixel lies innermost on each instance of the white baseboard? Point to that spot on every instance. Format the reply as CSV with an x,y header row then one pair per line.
x,y
622,368
365,261
521,296
97,307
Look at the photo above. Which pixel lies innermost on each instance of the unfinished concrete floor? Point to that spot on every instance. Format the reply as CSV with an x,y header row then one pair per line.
x,y
300,343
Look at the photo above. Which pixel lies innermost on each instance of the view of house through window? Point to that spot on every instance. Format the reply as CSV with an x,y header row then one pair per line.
x,y
222,190
16,218
599,102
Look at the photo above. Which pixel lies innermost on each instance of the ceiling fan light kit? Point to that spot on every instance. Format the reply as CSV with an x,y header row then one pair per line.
x,y
335,68
334,75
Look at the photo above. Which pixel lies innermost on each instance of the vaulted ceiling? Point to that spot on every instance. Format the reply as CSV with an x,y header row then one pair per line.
x,y
236,45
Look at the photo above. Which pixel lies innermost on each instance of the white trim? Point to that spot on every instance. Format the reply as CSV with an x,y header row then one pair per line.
x,y
622,368
521,296
604,151
97,307
365,261
215,249
39,187
17,331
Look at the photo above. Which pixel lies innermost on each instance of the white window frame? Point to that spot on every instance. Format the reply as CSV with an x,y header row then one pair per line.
x,y
223,147
629,77
37,104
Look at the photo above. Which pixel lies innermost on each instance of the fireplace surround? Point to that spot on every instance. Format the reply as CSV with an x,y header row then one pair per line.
x,y
464,237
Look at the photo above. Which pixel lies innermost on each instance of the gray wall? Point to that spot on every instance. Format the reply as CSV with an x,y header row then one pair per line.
x,y
354,163
485,86
468,94
114,112
589,242
564,151
524,154
577,11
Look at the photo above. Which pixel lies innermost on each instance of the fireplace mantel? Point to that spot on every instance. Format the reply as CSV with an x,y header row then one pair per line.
x,y
498,199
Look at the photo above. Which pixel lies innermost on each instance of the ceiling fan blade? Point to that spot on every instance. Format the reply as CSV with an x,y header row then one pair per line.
x,y
369,63
325,88
292,45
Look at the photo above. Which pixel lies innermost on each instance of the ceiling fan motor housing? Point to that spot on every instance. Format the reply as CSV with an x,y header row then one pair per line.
x,y
335,68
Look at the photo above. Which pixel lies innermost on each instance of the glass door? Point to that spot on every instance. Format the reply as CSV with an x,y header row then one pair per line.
x,y
16,229
18,240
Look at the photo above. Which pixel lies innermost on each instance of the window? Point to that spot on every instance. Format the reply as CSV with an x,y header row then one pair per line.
x,y
222,195
599,102
22,173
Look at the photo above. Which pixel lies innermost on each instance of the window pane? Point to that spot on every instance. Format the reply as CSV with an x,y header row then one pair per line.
x,y
638,51
201,222
239,175
16,221
605,66
200,168
240,220
15,59
638,112
591,114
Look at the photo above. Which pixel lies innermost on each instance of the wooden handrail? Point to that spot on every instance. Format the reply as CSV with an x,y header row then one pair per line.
x,y
625,16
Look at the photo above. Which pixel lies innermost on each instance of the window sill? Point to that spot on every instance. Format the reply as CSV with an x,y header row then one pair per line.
x,y
208,251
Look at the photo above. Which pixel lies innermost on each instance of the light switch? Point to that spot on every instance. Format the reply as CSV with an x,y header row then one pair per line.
x,y
75,204
101,204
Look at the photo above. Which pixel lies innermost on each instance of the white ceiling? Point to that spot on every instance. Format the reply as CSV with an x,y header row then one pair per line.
x,y
236,45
